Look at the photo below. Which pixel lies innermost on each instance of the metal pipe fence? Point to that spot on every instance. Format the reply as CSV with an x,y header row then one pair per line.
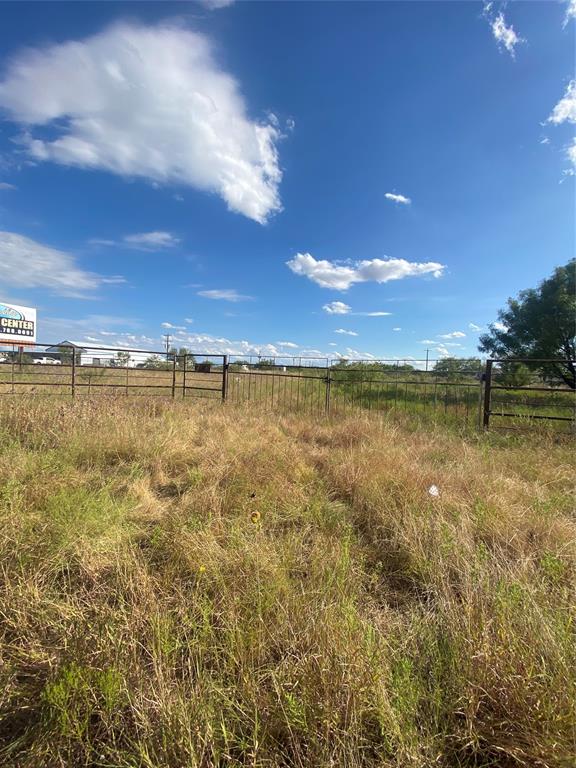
x,y
502,394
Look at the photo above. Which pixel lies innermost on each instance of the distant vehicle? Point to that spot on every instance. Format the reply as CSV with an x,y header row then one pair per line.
x,y
47,361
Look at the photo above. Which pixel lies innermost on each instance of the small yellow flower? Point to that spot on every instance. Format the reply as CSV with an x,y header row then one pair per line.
x,y
202,569
255,516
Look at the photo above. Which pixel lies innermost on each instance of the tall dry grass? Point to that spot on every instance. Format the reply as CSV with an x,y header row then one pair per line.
x,y
189,586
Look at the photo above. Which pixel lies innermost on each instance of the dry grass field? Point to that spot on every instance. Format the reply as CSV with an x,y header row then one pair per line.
x,y
188,585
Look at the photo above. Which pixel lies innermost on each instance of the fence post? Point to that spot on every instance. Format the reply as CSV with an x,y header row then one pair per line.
x,y
184,374
174,375
73,371
487,394
224,378
328,387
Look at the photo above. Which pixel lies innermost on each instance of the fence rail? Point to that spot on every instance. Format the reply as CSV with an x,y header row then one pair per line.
x,y
489,395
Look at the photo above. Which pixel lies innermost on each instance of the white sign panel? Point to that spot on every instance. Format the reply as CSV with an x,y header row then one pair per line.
x,y
17,324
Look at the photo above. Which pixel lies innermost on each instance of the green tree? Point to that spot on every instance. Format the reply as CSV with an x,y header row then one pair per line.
x,y
540,324
156,363
120,360
513,374
185,359
66,355
457,368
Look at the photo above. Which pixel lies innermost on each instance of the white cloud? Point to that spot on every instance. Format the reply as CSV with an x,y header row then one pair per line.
x,y
287,344
505,35
565,110
396,329
337,308
6,186
189,320
545,140
426,341
354,354
142,241
453,335
474,327
214,5
328,274
33,265
571,152
224,294
148,102
500,326
332,344
151,240
347,333
442,351
397,198
173,327
570,12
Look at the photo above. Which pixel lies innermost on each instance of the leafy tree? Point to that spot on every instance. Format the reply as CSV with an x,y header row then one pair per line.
x,y
184,358
121,360
513,374
66,355
157,363
540,324
456,368
265,363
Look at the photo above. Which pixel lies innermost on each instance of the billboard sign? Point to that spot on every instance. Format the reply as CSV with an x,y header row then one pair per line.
x,y
17,324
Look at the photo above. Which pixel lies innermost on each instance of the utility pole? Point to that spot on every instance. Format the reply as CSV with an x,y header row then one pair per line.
x,y
427,360
167,338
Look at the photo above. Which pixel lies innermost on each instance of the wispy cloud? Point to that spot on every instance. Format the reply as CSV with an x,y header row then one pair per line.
x,y
169,326
504,34
397,198
214,5
328,274
570,12
571,153
474,327
5,186
141,241
345,332
396,329
31,264
151,240
149,102
565,109
287,344
565,112
337,308
224,294
452,335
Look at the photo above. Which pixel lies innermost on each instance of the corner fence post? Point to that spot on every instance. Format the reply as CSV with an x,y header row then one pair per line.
x,y
487,394
224,378
328,381
174,375
73,382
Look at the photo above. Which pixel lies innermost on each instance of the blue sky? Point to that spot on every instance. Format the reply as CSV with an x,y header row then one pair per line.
x,y
350,178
